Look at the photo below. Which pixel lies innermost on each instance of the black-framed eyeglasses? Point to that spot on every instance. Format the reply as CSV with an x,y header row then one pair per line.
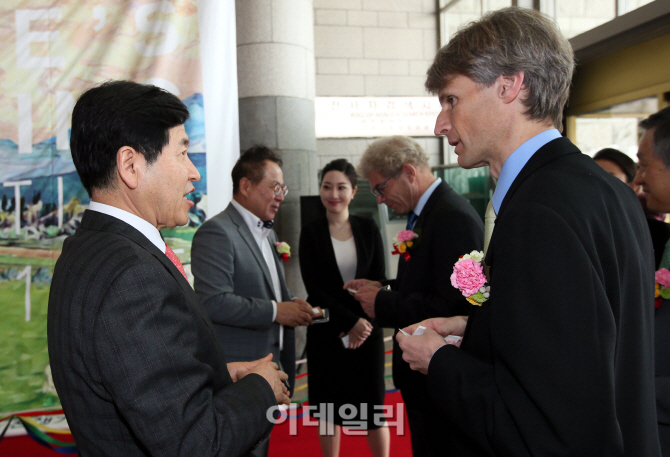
x,y
279,188
378,190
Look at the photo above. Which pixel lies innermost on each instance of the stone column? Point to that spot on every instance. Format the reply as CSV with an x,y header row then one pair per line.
x,y
275,73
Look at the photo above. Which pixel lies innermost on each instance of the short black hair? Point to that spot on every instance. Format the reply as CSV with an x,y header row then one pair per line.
x,y
661,122
621,160
341,165
251,165
116,114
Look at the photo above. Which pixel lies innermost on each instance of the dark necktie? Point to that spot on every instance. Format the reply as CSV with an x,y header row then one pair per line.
x,y
268,224
411,220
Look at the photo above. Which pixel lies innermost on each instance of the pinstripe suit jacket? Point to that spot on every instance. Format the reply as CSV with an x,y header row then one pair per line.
x,y
134,357
235,287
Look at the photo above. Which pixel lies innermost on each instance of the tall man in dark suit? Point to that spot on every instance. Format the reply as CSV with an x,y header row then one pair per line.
x,y
238,272
653,174
134,356
559,360
447,227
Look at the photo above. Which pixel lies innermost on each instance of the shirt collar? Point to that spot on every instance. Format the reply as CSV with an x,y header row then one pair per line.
x,y
142,226
254,223
426,195
515,163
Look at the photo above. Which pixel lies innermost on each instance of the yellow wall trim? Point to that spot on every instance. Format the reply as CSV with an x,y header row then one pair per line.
x,y
636,72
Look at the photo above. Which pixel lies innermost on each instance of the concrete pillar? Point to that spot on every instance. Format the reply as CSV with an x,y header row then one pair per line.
x,y
275,72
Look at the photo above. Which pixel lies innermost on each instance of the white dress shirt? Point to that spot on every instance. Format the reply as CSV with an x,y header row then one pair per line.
x,y
260,234
134,221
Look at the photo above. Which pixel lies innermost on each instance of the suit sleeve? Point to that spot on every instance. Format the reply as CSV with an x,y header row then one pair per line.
x,y
312,270
155,372
459,234
213,267
550,387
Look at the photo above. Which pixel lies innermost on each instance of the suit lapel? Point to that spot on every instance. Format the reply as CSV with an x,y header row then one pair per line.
x,y
546,154
248,237
360,249
442,188
102,222
286,295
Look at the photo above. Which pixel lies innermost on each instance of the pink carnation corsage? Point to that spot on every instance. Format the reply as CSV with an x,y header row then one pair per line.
x,y
402,242
284,250
662,289
469,278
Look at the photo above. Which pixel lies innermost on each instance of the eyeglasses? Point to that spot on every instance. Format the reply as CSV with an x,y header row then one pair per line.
x,y
279,189
378,190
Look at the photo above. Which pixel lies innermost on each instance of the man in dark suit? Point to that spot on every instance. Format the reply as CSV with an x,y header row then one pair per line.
x,y
134,356
653,175
447,227
559,360
238,271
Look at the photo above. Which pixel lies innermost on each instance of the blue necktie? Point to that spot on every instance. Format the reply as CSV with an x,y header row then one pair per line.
x,y
411,220
268,224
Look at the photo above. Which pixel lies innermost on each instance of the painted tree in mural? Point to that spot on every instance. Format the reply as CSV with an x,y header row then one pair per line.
x,y
49,56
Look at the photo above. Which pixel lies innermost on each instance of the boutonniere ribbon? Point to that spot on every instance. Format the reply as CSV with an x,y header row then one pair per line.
x,y
402,242
469,278
284,250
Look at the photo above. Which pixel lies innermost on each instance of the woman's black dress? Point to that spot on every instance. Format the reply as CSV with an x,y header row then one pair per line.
x,y
340,376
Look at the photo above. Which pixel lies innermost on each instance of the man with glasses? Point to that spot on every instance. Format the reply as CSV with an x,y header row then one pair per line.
x,y
447,227
238,273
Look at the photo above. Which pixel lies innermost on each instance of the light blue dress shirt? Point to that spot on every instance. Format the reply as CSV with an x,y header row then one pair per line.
x,y
426,195
514,163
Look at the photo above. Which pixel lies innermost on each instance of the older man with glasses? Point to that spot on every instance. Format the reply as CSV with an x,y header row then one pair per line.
x,y
447,227
238,272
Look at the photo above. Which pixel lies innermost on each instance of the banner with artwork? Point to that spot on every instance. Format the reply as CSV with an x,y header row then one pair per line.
x,y
51,52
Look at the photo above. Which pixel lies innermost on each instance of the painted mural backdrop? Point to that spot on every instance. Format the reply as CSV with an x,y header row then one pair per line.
x,y
50,52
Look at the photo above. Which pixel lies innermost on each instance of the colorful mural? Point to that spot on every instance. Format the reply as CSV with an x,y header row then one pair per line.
x,y
52,51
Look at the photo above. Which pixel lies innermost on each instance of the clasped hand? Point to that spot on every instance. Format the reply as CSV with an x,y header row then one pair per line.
x,y
418,350
266,368
359,333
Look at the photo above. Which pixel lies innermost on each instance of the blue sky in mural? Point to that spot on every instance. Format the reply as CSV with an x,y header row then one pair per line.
x,y
45,163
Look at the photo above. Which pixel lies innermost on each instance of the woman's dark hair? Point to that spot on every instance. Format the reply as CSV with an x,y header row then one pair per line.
x,y
621,160
341,165
251,165
116,114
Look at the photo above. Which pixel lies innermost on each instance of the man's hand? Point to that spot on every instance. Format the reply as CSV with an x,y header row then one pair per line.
x,y
294,313
418,350
275,378
359,333
445,326
238,370
357,284
367,295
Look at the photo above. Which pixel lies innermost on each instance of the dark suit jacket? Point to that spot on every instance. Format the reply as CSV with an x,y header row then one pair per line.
x,y
134,356
560,360
235,287
324,284
660,232
448,227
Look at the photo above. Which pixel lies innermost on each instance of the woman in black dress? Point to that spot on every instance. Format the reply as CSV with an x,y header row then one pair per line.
x,y
333,250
